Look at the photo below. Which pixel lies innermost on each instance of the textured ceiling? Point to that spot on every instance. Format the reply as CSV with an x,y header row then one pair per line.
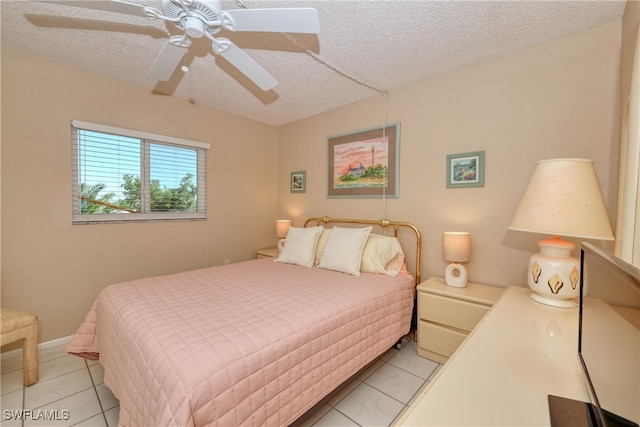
x,y
385,44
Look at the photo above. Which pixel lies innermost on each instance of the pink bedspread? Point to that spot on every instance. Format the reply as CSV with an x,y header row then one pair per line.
x,y
252,343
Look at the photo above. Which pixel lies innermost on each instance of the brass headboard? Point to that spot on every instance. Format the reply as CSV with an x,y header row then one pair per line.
x,y
395,225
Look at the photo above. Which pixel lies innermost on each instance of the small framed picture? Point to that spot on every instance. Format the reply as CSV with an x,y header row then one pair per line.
x,y
465,170
298,181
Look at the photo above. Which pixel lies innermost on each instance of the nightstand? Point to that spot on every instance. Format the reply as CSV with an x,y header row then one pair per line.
x,y
446,315
267,253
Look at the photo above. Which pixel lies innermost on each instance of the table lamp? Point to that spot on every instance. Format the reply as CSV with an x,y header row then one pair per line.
x,y
563,198
456,247
282,228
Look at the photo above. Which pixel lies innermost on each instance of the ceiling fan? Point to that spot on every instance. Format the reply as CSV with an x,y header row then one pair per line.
x,y
205,18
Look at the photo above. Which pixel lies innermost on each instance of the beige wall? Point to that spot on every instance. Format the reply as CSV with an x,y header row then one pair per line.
x,y
558,99
56,269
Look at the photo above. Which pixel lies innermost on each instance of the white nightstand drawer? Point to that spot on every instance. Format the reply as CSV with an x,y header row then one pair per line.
x,y
458,314
439,339
447,315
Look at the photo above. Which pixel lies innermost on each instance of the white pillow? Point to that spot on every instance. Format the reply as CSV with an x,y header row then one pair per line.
x,y
343,251
300,246
322,241
383,255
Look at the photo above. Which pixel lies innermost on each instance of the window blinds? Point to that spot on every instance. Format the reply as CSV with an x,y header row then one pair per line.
x,y
125,175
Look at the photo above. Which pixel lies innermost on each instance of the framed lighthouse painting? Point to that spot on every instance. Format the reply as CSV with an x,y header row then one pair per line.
x,y
364,163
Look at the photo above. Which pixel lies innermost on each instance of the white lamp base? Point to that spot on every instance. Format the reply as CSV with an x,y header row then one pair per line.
x,y
456,275
553,302
554,275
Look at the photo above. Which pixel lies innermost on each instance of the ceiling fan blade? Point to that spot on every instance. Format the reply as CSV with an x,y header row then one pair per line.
x,y
284,20
168,59
245,64
117,6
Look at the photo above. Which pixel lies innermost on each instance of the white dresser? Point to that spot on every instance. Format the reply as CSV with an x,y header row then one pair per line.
x,y
520,352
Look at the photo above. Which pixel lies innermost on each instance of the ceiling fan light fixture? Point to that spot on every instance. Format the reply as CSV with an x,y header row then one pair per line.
x,y
194,27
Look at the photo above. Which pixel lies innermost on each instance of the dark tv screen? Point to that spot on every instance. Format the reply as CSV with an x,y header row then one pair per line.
x,y
609,336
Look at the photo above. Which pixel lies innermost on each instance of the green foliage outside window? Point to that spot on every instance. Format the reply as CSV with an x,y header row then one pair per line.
x,y
180,199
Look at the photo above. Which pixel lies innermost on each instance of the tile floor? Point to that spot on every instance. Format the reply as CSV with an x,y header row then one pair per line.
x,y
71,389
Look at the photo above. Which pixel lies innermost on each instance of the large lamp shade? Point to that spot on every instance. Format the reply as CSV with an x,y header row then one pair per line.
x,y
562,198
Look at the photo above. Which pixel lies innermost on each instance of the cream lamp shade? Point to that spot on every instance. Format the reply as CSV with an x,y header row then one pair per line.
x,y
282,228
563,198
456,248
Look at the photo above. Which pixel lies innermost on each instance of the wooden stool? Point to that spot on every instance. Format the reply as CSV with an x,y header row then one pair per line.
x,y
20,325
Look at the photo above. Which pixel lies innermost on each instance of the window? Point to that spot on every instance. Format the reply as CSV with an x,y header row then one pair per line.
x,y
126,175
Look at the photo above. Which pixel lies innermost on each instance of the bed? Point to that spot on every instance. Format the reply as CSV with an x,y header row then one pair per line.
x,y
258,342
